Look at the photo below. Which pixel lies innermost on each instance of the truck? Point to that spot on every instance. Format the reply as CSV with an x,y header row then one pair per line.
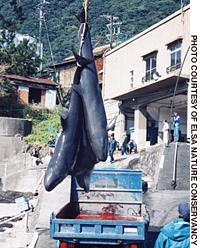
x,y
110,215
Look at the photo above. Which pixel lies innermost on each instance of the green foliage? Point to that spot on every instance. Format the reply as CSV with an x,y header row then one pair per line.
x,y
40,132
9,21
62,25
22,58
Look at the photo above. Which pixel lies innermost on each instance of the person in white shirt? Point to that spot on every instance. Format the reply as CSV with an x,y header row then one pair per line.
x,y
165,132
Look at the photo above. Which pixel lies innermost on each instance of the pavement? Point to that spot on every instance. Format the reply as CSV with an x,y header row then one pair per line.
x,y
162,206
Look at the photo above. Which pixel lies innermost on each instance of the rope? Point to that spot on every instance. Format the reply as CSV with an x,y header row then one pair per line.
x,y
85,6
60,98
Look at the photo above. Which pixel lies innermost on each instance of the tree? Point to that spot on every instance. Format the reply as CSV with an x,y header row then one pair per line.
x,y
21,58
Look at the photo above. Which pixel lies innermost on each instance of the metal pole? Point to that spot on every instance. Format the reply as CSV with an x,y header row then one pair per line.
x,y
40,34
26,222
111,27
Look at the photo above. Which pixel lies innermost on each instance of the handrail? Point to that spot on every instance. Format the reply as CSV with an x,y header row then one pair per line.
x,y
16,216
173,183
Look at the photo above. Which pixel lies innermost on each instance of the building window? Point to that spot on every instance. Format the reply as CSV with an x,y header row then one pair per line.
x,y
131,79
175,56
150,67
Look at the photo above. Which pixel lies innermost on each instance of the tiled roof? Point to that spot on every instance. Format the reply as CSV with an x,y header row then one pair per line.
x,y
31,79
97,51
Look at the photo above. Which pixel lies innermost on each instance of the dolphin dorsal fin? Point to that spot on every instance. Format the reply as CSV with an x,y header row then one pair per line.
x,y
62,113
81,61
111,124
81,16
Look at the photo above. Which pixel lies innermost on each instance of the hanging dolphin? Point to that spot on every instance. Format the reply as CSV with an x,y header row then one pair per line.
x,y
85,163
68,144
88,89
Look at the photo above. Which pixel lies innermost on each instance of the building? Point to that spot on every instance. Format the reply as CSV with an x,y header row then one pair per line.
x,y
37,90
63,73
140,77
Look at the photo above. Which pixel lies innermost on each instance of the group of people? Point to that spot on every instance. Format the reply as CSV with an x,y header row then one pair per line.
x,y
126,147
175,118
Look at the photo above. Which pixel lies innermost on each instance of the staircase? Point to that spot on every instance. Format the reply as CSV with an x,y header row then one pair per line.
x,y
182,171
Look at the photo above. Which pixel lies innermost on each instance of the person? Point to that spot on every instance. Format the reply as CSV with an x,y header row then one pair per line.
x,y
112,147
52,144
176,123
165,132
36,156
131,146
124,143
176,234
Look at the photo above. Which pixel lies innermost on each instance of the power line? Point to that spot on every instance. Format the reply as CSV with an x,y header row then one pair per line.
x,y
50,45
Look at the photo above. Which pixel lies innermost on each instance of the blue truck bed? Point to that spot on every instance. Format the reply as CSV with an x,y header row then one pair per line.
x,y
112,212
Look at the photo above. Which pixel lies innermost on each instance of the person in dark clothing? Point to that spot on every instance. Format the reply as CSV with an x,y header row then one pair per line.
x,y
52,144
124,143
176,119
112,147
176,234
35,153
131,146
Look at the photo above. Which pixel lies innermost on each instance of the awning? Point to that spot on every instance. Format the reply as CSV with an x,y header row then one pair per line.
x,y
152,86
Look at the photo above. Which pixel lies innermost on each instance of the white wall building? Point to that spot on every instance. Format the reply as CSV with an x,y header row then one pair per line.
x,y
140,77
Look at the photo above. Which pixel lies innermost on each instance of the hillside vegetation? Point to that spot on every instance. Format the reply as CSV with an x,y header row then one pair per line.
x,y
62,25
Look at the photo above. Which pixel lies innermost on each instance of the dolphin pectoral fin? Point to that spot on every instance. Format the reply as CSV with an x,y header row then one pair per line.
x,y
111,124
77,88
84,180
62,113
81,16
81,61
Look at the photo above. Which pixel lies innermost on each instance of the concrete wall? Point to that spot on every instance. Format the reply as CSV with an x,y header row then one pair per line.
x,y
11,126
17,169
158,163
12,158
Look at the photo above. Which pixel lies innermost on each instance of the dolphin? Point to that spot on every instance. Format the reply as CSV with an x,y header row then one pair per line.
x,y
85,163
68,144
88,89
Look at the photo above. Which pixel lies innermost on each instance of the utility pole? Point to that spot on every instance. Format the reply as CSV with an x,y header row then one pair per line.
x,y
112,20
43,13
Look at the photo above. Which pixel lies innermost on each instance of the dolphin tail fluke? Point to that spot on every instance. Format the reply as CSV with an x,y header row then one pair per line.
x,y
81,16
62,113
81,61
111,124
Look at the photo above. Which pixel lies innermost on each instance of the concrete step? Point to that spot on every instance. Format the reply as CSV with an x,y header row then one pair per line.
x,y
182,171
